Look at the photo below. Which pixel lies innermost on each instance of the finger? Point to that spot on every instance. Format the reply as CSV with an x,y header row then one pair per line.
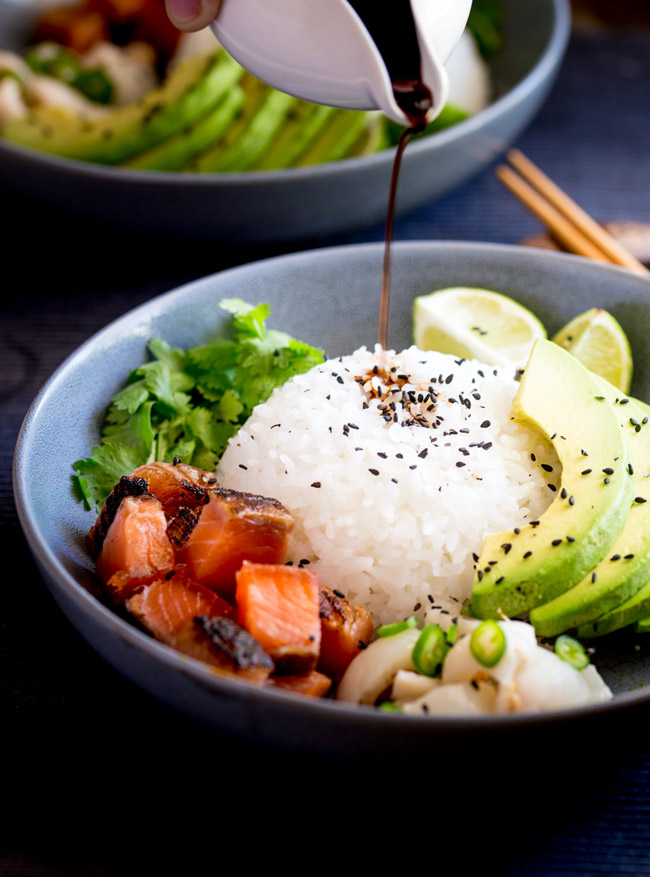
x,y
191,15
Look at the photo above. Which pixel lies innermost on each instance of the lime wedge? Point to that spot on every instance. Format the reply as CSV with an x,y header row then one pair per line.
x,y
601,345
475,324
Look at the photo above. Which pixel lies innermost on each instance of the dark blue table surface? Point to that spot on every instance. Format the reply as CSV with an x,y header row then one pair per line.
x,y
90,762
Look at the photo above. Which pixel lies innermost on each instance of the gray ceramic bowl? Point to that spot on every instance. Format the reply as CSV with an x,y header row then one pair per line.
x,y
302,203
330,298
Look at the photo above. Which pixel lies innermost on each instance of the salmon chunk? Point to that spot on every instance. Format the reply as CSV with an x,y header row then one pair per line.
x,y
279,606
314,684
175,486
214,540
222,643
169,602
136,541
345,631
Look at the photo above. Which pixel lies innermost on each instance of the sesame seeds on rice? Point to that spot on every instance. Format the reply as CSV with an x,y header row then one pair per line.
x,y
395,467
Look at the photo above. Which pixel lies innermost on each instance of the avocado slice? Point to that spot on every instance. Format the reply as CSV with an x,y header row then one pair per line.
x,y
303,124
643,626
634,609
262,129
343,130
194,87
263,114
559,397
174,153
626,566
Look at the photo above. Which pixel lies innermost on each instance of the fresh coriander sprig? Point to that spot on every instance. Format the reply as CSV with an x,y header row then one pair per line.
x,y
188,403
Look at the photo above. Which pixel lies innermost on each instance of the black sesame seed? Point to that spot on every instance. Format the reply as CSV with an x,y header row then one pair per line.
x,y
570,539
556,542
423,453
506,547
546,467
527,554
374,471
487,446
533,457
479,574
628,557
585,471
459,465
517,530
572,500
316,484
630,469
615,557
499,580
593,577
608,471
485,424
552,487
623,401
607,480
563,493
640,499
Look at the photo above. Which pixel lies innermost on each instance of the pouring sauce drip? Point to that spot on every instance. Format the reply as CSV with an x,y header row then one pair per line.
x,y
395,36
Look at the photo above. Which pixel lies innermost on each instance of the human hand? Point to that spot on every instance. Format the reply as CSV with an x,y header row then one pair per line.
x,y
191,15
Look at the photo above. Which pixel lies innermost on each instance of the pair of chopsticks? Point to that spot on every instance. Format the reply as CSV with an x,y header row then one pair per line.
x,y
566,221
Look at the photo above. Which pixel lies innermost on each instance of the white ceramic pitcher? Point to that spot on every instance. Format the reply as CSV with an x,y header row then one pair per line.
x,y
320,50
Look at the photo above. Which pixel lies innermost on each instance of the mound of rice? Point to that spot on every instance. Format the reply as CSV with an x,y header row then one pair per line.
x,y
394,468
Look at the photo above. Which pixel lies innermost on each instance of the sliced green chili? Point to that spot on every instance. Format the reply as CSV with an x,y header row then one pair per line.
x,y
488,643
571,651
389,707
429,651
397,627
452,633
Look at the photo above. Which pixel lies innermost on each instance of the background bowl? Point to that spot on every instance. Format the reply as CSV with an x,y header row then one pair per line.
x,y
341,285
301,203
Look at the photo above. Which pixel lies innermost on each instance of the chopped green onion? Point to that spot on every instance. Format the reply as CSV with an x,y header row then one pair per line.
x,y
452,633
488,643
397,627
389,707
571,651
429,651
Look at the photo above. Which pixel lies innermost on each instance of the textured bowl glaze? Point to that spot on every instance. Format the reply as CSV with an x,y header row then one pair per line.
x,y
301,203
327,297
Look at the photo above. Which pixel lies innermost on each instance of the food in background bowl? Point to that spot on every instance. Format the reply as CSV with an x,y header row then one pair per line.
x,y
141,102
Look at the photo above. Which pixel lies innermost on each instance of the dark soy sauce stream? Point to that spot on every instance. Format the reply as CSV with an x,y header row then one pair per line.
x,y
394,35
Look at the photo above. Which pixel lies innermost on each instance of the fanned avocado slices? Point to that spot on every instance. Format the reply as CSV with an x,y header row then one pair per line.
x,y
303,124
519,570
213,158
173,154
626,566
193,88
343,130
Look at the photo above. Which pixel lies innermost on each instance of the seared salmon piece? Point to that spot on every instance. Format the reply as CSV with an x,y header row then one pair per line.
x,y
279,605
136,541
215,539
314,684
345,631
169,602
222,643
175,485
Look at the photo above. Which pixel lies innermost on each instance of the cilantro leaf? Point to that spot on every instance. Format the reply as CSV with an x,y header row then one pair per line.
x,y
189,403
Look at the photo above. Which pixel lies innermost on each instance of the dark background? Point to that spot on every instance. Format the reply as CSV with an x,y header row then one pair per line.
x,y
99,779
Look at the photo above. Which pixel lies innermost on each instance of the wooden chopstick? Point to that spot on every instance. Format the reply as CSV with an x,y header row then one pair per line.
x,y
568,222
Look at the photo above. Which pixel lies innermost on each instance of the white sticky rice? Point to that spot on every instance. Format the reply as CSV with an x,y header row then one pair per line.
x,y
391,514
